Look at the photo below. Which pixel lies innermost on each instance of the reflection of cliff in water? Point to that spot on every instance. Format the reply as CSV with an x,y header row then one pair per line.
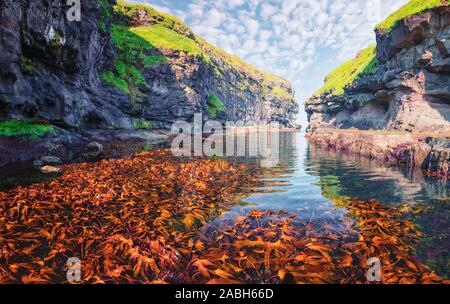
x,y
306,179
358,177
352,176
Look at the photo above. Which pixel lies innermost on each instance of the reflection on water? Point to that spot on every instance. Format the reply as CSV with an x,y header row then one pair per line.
x,y
13,177
308,178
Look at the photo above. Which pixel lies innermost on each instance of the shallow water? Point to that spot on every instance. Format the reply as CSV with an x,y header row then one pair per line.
x,y
307,178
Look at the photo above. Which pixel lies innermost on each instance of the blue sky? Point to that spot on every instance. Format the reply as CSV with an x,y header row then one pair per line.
x,y
300,40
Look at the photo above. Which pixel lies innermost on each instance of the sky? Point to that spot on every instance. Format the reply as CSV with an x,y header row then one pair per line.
x,y
299,40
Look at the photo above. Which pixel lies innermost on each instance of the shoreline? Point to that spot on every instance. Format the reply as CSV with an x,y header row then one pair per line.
x,y
429,152
74,147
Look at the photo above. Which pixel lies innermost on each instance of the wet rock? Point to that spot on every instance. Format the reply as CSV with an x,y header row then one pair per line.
x,y
50,169
93,151
51,160
430,155
38,163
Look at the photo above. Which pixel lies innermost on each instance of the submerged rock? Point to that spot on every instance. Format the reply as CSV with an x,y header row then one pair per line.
x,y
50,169
93,151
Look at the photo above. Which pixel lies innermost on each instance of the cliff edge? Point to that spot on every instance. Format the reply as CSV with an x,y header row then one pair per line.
x,y
124,66
392,102
401,84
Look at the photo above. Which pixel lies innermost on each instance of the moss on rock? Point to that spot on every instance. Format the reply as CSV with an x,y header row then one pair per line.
x,y
215,106
25,129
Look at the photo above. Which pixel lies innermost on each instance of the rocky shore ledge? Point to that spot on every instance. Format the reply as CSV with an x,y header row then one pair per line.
x,y
67,147
427,152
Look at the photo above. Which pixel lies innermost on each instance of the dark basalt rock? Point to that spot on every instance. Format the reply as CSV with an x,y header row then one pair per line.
x,y
50,70
50,66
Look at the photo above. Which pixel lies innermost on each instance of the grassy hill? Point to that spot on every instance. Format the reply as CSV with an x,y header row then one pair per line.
x,y
159,31
365,63
411,8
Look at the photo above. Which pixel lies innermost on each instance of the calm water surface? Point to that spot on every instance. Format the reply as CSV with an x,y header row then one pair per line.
x,y
307,178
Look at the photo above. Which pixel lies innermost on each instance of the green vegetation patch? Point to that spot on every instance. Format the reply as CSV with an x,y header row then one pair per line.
x,y
115,81
150,61
281,94
163,38
142,124
413,7
364,64
132,57
105,7
25,129
133,10
215,106
102,26
27,64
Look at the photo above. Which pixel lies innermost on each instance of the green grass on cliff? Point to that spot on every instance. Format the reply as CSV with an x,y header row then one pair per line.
x,y
165,39
215,106
364,64
240,65
133,10
132,58
281,93
166,32
25,129
413,7
153,60
115,81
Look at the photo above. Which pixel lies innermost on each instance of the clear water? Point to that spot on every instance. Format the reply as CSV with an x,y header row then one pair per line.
x,y
307,178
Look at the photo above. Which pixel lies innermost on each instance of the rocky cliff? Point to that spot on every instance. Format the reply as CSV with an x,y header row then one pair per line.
x,y
124,67
397,91
402,85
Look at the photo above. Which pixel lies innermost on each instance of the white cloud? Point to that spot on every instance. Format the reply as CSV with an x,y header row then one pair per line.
x,y
267,11
285,37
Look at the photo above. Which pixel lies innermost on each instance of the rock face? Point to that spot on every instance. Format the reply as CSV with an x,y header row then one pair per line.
x,y
410,90
414,151
50,70
50,65
181,88
407,98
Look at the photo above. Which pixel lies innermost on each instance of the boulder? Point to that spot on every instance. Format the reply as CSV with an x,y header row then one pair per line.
x,y
50,161
93,150
50,169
